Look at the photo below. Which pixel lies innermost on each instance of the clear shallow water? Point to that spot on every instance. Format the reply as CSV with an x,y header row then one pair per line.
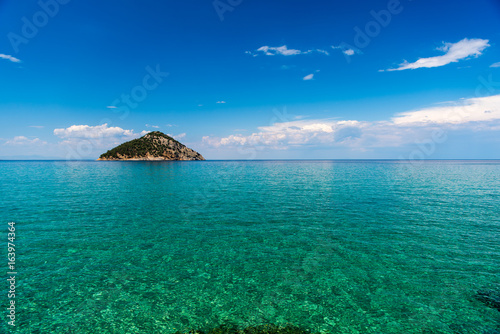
x,y
336,247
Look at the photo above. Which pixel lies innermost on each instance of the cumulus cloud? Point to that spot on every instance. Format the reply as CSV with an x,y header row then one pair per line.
x,y
495,64
308,77
296,133
22,140
85,141
283,51
10,58
98,131
100,135
402,129
453,53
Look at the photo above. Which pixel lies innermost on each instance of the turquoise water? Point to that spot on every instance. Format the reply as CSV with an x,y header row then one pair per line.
x,y
333,246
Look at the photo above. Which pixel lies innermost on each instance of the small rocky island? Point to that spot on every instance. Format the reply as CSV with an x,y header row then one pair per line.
x,y
154,146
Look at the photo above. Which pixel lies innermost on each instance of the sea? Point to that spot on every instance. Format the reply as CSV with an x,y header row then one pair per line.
x,y
331,246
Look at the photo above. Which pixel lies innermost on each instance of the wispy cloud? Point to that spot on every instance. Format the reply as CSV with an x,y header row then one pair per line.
x,y
402,129
36,126
482,109
10,58
308,77
111,107
221,102
346,50
453,53
22,140
283,51
320,51
495,64
152,126
177,137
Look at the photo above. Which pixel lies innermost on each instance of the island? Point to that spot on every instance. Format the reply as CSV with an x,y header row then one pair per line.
x,y
154,146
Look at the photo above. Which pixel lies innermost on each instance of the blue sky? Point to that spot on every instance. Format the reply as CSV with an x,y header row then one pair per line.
x,y
241,79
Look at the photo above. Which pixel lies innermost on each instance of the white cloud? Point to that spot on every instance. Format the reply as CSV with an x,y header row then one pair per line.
x,y
482,109
403,129
111,107
220,102
453,53
283,51
152,126
294,133
345,50
322,51
308,77
22,140
495,64
98,131
84,141
177,137
37,126
10,58
280,50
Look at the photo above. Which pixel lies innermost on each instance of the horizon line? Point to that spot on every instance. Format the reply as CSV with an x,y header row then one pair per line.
x,y
340,159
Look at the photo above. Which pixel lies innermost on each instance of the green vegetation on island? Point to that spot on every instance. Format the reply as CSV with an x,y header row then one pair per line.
x,y
153,146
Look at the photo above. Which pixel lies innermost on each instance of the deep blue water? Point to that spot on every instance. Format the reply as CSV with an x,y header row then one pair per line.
x,y
333,246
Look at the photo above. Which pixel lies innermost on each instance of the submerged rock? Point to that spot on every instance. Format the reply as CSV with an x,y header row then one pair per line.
x,y
492,331
490,298
263,329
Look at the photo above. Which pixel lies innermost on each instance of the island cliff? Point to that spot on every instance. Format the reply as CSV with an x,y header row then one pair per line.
x,y
153,146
